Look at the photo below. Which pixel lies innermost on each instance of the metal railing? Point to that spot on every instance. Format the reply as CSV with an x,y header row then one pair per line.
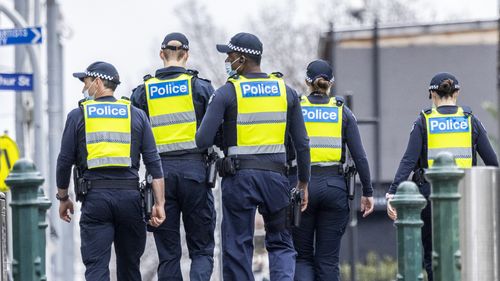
x,y
465,220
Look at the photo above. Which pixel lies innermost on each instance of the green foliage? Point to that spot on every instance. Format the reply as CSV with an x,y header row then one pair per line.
x,y
375,269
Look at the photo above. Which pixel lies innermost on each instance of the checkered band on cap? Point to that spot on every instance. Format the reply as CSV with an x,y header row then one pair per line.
x,y
183,46
100,75
435,87
310,80
244,50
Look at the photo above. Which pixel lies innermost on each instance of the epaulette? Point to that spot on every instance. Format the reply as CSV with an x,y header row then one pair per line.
x,y
277,74
147,77
192,72
427,110
234,76
467,110
340,101
80,102
125,98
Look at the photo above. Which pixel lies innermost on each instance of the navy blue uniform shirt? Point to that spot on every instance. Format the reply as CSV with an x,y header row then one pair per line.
x,y
418,136
223,110
202,90
73,149
351,137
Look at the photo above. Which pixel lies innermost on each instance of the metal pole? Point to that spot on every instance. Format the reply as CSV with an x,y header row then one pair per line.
x,y
353,224
444,176
36,14
333,56
39,147
376,101
24,181
328,51
498,79
409,203
20,55
480,224
3,238
62,269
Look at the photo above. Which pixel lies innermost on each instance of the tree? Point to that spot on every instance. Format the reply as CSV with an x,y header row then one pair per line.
x,y
200,27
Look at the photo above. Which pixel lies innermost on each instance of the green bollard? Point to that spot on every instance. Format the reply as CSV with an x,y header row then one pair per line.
x,y
444,177
409,203
24,180
44,205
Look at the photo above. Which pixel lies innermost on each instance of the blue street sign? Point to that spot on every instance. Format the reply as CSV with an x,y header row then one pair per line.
x,y
17,36
16,81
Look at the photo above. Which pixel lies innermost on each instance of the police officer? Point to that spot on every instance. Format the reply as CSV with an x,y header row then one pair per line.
x,y
105,137
256,111
431,135
331,126
175,100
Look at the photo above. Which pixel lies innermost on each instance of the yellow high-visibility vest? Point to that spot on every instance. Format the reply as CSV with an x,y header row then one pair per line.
x,y
171,112
324,127
449,132
261,120
108,128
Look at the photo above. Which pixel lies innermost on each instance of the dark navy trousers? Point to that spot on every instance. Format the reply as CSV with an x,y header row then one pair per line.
x,y
112,216
242,194
318,238
186,194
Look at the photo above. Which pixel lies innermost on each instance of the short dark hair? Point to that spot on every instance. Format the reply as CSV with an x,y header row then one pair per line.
x,y
108,84
255,59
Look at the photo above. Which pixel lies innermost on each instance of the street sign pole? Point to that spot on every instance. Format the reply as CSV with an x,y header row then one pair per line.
x,y
61,269
39,139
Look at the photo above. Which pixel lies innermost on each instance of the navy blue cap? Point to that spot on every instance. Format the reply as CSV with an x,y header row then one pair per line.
x,y
175,36
317,69
440,77
100,69
242,42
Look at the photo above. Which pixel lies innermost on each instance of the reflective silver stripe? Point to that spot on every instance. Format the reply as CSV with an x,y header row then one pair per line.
x,y
97,162
325,164
176,146
458,152
173,118
116,137
261,118
325,142
257,149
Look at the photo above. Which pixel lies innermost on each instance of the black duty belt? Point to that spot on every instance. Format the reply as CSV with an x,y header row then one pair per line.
x,y
109,184
187,156
242,164
334,170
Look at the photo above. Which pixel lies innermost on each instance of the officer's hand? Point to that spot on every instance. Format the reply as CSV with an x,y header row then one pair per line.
x,y
65,208
157,215
305,199
366,205
391,212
